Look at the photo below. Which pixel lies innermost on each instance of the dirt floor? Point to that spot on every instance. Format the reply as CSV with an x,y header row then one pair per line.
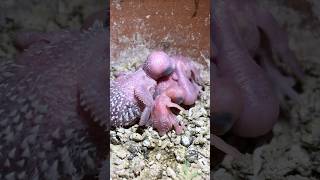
x,y
294,152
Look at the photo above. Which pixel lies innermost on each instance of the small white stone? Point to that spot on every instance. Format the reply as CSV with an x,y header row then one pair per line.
x,y
185,141
158,156
170,172
136,137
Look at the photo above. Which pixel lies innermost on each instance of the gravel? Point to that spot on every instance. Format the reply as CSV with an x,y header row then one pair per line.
x,y
171,156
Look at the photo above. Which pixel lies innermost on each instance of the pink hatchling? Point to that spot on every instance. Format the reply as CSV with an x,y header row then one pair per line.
x,y
132,93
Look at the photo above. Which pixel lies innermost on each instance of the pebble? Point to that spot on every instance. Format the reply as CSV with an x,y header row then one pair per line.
x,y
155,170
115,140
146,143
138,165
186,140
136,137
151,163
123,173
205,167
170,145
198,130
171,173
192,155
121,153
164,144
200,122
134,149
149,143
180,154
200,141
130,157
158,156
120,131
117,161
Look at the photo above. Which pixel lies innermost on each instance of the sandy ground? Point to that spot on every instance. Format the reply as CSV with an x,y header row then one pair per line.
x,y
293,152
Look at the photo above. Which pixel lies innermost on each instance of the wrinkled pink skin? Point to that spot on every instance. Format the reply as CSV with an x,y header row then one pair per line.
x,y
180,88
158,64
164,84
253,92
138,87
176,69
237,41
187,76
258,18
162,118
